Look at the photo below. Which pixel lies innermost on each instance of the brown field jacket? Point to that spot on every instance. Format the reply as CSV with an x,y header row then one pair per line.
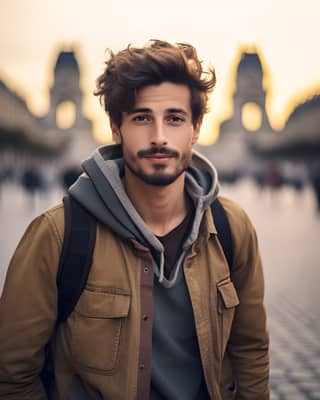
x,y
105,345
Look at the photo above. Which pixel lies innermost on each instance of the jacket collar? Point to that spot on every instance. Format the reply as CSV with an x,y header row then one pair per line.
x,y
208,226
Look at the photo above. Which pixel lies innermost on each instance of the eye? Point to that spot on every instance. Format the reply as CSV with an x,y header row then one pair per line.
x,y
141,118
175,119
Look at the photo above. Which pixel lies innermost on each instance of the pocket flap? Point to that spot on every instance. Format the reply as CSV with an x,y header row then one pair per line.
x,y
228,294
103,305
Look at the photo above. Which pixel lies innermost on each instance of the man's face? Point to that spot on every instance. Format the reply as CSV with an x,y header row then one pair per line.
x,y
158,134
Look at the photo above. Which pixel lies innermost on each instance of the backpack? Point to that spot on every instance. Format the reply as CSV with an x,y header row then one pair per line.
x,y
78,245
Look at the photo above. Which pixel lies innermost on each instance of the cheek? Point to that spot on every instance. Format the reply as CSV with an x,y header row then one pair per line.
x,y
134,143
188,142
128,151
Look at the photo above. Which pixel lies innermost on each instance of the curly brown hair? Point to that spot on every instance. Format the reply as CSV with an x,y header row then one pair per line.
x,y
158,61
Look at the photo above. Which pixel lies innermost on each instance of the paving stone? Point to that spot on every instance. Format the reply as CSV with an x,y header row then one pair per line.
x,y
274,396
291,392
311,385
301,375
294,352
315,395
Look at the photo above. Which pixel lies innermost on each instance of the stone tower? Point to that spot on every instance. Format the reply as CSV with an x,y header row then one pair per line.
x,y
66,87
77,139
249,88
231,153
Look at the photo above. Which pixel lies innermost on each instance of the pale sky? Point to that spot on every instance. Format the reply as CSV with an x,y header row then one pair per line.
x,y
286,33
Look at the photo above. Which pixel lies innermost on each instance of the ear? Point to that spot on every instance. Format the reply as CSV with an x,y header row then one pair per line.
x,y
196,131
116,134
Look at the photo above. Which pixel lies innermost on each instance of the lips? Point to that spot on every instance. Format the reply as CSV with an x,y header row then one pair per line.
x,y
159,156
159,159
158,153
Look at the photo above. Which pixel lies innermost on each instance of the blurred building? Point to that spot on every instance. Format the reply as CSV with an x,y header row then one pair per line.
x,y
24,135
247,144
65,116
20,130
231,153
300,138
24,145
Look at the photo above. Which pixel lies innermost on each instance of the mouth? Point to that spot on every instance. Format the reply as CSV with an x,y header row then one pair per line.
x,y
158,158
158,154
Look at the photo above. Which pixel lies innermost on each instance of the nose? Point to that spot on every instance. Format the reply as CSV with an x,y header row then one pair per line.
x,y
158,134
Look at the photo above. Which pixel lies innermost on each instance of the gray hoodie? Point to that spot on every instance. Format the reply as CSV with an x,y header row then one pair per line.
x,y
100,190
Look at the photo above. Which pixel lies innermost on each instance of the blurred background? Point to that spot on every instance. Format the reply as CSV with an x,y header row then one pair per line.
x,y
262,132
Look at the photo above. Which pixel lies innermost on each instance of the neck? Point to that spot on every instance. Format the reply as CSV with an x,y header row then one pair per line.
x,y
161,207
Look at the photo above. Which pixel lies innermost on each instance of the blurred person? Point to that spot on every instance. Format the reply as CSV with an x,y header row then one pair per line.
x,y
31,181
6,175
69,175
162,315
274,178
315,181
34,182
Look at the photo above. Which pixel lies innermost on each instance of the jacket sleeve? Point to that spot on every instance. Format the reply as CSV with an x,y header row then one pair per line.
x,y
28,308
248,346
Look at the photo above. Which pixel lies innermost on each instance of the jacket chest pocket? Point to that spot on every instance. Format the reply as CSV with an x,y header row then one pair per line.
x,y
227,301
97,325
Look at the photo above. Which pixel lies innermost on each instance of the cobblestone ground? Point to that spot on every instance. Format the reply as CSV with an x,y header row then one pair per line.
x,y
288,228
295,351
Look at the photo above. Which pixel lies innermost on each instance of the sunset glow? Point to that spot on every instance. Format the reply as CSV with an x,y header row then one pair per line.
x,y
284,35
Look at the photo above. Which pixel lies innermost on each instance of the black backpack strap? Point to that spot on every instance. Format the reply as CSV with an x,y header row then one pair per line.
x,y
76,255
223,228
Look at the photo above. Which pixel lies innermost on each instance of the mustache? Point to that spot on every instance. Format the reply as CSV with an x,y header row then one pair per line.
x,y
158,150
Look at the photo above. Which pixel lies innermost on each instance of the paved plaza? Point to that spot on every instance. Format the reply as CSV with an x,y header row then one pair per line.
x,y
295,351
288,228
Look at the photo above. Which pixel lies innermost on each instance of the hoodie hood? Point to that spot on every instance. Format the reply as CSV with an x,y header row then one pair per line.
x,y
100,190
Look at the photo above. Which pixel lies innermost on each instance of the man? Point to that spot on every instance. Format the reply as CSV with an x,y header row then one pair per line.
x,y
160,311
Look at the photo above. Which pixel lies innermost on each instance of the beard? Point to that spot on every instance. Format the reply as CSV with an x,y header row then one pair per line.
x,y
159,177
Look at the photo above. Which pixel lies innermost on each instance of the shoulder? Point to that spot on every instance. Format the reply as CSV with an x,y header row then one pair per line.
x,y
240,223
55,218
49,224
40,245
235,213
55,213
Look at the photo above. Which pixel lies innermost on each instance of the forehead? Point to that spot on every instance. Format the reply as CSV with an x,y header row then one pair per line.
x,y
165,96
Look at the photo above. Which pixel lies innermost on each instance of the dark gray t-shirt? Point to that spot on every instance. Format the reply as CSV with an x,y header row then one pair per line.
x,y
176,364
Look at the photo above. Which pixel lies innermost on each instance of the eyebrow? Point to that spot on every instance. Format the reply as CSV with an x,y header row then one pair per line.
x,y
148,110
177,111
139,110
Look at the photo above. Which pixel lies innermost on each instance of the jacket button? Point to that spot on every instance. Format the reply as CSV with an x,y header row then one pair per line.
x,y
145,269
145,317
141,366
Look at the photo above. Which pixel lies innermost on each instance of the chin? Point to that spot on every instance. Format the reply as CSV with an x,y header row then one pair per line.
x,y
159,181
158,177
